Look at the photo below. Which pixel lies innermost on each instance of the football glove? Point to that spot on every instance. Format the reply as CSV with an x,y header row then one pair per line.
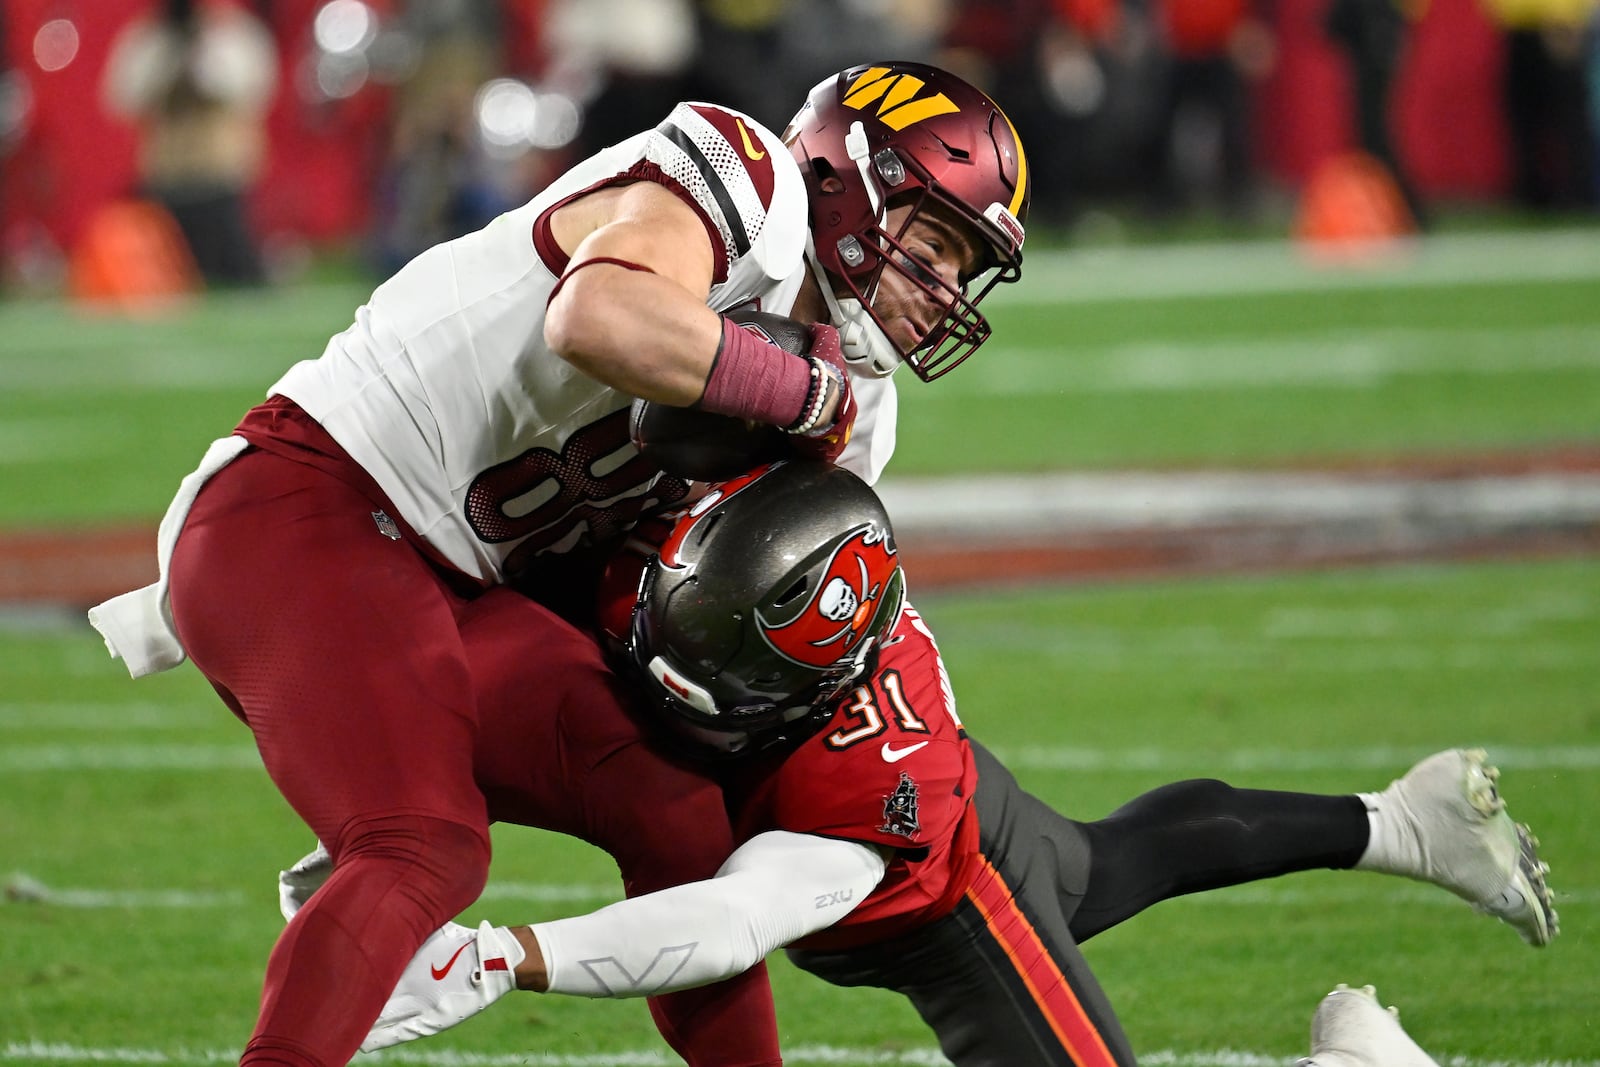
x,y
812,437
296,885
456,973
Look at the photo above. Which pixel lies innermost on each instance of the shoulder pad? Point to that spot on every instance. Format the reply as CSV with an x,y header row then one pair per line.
x,y
742,176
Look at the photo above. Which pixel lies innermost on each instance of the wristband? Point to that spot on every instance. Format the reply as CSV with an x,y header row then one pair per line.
x,y
752,378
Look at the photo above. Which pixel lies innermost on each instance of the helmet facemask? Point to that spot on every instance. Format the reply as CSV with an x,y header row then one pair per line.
x,y
960,327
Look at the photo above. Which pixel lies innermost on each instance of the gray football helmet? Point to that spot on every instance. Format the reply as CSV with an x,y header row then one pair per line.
x,y
764,603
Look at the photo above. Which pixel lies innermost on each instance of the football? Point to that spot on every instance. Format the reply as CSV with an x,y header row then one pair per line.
x,y
705,447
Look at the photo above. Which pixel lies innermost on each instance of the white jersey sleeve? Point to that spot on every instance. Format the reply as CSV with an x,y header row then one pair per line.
x,y
776,887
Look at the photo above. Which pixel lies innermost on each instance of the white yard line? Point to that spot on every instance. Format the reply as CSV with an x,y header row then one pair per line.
x,y
77,759
106,716
49,1052
1375,758
1160,272
20,890
1328,360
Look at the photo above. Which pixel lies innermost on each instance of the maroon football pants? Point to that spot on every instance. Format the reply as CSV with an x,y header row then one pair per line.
x,y
338,646
361,671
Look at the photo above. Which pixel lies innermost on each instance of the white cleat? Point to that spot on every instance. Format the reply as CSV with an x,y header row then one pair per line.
x,y
1447,824
1350,1029
456,973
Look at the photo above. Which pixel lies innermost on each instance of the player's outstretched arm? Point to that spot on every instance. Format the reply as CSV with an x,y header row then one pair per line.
x,y
776,887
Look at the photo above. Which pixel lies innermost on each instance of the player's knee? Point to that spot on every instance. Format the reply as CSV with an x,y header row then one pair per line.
x,y
442,861
1177,800
460,864
1203,793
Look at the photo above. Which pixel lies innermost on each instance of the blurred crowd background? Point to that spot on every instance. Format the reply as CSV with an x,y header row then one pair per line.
x,y
227,142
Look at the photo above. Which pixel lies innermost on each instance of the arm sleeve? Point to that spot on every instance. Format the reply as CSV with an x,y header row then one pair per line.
x,y
776,887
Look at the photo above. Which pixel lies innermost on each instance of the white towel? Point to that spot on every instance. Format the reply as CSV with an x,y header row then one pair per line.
x,y
137,626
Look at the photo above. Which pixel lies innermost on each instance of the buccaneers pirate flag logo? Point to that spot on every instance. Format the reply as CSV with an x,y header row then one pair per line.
x,y
830,626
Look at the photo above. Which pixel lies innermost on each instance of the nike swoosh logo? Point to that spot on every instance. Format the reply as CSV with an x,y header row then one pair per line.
x,y
895,755
749,149
440,972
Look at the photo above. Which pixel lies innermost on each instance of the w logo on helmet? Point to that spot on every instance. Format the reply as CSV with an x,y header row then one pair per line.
x,y
843,604
899,105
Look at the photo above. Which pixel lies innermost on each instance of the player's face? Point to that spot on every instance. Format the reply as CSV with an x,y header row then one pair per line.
x,y
937,247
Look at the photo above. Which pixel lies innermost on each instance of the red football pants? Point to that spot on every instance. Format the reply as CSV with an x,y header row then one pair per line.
x,y
385,706
338,646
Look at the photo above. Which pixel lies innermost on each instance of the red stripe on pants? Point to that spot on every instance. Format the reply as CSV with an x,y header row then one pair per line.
x,y
1046,984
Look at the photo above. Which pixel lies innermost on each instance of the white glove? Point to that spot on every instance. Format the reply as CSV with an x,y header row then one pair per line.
x,y
456,973
296,885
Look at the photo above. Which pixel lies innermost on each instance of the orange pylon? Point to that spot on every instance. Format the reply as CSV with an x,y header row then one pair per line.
x,y
1351,204
132,256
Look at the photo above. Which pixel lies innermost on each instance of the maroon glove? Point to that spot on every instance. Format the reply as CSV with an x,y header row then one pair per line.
x,y
829,379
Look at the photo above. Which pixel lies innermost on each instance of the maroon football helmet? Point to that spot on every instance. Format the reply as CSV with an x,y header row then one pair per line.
x,y
885,134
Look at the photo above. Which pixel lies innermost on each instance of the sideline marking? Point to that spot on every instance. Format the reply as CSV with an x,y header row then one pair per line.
x,y
1079,501
20,890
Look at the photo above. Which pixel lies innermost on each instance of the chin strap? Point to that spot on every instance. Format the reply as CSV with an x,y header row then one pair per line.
x,y
864,344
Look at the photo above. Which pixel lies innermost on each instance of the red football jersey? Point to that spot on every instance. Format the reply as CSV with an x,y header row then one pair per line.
x,y
892,768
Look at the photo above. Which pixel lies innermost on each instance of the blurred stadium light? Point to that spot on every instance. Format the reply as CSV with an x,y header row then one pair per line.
x,y
55,45
513,117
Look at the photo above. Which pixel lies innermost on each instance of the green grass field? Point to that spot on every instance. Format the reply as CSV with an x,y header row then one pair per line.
x,y
143,810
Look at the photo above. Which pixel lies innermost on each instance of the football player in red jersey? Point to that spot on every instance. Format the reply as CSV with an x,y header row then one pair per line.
x,y
879,843
470,427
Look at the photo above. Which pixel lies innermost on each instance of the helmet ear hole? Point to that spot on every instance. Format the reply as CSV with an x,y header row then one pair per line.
x,y
790,594
828,180
709,526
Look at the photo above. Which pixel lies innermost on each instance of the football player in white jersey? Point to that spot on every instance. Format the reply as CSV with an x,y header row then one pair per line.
x,y
473,422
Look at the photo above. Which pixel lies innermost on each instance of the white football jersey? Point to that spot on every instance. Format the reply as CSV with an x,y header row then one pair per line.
x,y
488,442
